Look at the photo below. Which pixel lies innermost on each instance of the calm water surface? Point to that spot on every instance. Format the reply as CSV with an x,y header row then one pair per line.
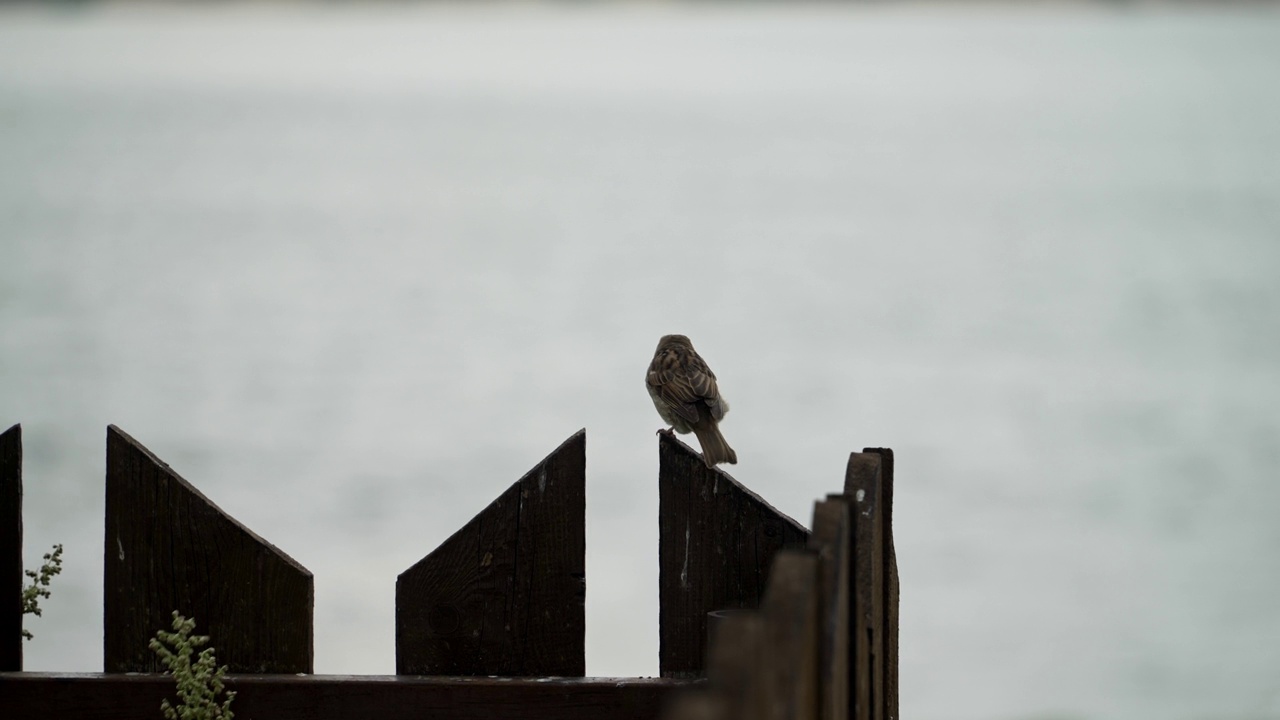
x,y
353,271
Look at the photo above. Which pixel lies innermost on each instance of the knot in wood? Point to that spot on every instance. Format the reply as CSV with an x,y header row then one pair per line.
x,y
443,620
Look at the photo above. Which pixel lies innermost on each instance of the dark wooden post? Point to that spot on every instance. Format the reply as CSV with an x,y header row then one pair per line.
x,y
717,540
168,547
833,543
734,659
11,549
789,668
505,594
869,492
890,589
733,664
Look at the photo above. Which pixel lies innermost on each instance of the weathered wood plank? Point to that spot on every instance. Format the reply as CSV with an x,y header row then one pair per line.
x,y
717,541
504,595
832,541
734,662
891,589
168,547
11,549
329,697
788,676
863,485
825,638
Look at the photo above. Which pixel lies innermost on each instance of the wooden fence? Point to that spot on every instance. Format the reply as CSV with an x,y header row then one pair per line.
x,y
491,623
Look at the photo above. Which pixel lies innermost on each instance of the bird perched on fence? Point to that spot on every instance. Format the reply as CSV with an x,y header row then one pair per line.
x,y
685,393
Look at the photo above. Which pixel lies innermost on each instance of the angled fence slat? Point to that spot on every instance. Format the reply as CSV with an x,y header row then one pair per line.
x,y
717,540
168,548
504,595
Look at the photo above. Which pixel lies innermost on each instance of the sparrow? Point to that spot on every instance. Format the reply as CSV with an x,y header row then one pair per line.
x,y
685,393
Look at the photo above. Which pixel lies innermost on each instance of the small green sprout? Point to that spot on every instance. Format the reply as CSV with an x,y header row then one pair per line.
x,y
39,587
199,683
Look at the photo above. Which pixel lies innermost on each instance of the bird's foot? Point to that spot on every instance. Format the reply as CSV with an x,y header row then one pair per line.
x,y
669,432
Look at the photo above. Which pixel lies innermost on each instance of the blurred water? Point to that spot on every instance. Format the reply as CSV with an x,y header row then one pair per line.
x,y
353,270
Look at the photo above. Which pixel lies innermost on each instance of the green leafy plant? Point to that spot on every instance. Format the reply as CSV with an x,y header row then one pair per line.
x,y
199,683
39,587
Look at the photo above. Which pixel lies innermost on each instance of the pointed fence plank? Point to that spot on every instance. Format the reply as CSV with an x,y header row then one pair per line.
x,y
11,549
504,595
717,541
168,547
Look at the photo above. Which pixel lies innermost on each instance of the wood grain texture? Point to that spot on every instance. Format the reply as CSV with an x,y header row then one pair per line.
x,y
717,541
789,670
832,541
505,594
329,697
168,548
863,490
11,549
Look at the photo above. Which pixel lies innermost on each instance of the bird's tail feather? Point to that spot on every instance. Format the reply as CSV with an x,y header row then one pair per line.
x,y
715,449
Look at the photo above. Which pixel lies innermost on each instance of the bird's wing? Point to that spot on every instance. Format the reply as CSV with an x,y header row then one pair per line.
x,y
704,385
685,388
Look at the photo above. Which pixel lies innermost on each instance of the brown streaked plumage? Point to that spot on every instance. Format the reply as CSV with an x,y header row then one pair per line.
x,y
685,393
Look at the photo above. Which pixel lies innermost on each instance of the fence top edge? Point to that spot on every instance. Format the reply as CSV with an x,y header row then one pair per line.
x,y
671,440
135,446
291,679
579,438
